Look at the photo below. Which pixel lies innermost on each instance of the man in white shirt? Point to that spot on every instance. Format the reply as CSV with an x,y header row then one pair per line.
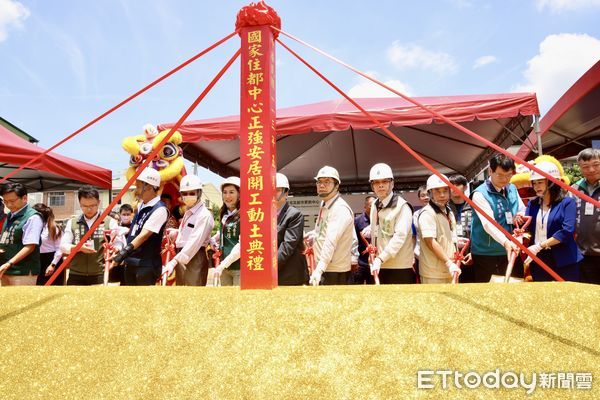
x,y
498,198
191,262
335,244
142,255
391,230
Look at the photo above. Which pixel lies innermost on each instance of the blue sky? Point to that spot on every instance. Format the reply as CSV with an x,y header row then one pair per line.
x,y
65,62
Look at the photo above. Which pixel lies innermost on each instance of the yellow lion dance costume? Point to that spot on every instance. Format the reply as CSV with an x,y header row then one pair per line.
x,y
169,161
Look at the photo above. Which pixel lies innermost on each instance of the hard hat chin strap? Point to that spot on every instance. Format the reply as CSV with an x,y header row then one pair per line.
x,y
324,195
283,193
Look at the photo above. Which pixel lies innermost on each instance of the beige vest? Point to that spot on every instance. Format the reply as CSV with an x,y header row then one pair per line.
x,y
430,266
342,253
382,231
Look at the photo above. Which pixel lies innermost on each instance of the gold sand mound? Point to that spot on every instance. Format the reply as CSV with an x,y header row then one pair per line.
x,y
329,342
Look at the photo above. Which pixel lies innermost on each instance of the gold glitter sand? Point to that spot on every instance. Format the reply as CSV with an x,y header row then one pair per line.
x,y
353,342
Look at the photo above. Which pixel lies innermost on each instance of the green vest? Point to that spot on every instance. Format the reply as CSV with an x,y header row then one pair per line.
x,y
12,242
230,236
481,242
88,264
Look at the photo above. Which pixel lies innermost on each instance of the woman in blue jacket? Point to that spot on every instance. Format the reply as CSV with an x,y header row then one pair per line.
x,y
552,227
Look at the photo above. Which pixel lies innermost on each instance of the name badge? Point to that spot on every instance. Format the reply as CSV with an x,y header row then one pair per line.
x,y
509,217
589,209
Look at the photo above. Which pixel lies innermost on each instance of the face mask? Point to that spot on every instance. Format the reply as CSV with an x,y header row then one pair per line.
x,y
190,200
125,220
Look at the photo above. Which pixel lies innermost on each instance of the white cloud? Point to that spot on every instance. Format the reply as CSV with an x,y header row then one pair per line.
x,y
561,60
12,13
405,56
484,60
367,88
566,5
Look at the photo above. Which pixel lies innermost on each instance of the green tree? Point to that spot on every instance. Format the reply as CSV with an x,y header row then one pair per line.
x,y
574,173
215,212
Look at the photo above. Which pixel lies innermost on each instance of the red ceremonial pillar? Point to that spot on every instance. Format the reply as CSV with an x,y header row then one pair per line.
x,y
258,235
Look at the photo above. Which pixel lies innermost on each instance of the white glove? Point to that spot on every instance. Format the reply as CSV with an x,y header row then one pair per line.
x,y
172,233
366,232
376,266
168,269
535,249
452,267
315,277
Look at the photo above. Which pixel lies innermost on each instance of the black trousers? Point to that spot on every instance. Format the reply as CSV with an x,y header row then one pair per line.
x,y
486,266
84,280
141,276
117,274
335,278
397,276
45,261
590,269
361,276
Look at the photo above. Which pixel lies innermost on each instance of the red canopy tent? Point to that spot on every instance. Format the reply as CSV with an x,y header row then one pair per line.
x,y
336,133
51,172
573,122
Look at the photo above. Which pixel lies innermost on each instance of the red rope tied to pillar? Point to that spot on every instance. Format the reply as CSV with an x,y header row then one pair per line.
x,y
145,164
372,250
127,100
309,253
169,252
217,258
459,258
442,117
108,248
425,163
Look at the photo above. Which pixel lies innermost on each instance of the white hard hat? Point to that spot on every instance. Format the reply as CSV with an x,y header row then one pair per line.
x,y
190,182
281,181
380,171
434,182
328,172
150,176
549,168
232,180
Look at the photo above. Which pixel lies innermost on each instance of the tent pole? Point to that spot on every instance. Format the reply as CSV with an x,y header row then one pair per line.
x,y
538,134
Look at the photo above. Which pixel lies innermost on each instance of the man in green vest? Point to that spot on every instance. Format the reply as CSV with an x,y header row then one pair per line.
x,y
20,239
499,199
87,267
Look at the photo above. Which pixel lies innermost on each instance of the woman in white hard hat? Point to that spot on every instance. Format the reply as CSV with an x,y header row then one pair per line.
x,y
436,227
291,263
191,263
554,218
142,254
391,230
228,236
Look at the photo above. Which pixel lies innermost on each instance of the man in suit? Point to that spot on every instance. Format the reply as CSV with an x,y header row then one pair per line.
x,y
292,268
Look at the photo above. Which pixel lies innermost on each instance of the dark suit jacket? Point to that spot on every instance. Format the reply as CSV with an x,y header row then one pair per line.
x,y
561,225
292,268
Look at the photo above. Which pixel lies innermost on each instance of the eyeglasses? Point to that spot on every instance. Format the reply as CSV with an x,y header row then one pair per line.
x,y
89,207
325,182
